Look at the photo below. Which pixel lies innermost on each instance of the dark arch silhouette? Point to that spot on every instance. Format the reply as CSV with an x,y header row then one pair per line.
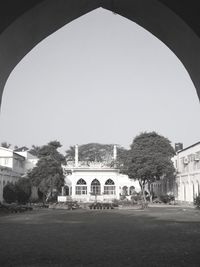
x,y
81,182
109,182
95,182
26,23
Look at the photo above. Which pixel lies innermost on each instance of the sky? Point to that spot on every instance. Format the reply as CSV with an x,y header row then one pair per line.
x,y
101,78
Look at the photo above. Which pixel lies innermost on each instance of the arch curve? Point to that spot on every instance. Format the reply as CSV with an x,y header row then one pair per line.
x,y
81,182
109,182
32,21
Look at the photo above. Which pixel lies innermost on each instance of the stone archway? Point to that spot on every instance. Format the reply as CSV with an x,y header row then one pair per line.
x,y
29,22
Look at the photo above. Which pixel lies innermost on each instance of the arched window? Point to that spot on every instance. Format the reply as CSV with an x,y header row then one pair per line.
x,y
95,187
109,188
81,187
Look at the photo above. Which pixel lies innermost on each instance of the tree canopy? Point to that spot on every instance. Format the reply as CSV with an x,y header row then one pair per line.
x,y
97,152
48,173
35,150
150,158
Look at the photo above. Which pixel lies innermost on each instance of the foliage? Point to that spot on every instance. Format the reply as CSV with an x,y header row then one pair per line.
x,y
98,152
122,159
9,193
91,152
197,201
23,190
136,198
51,150
35,150
5,145
167,198
48,173
150,159
19,191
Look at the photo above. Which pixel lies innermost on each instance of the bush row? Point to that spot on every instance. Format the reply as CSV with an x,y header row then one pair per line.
x,y
17,192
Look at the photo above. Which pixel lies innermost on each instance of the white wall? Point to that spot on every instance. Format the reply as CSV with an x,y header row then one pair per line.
x,y
188,175
101,175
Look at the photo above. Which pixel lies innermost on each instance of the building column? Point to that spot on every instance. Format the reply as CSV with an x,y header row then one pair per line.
x,y
76,155
62,191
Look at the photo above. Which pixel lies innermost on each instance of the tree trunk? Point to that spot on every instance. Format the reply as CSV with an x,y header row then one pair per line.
x,y
144,201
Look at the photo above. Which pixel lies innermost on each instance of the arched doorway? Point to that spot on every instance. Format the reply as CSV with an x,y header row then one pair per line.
x,y
66,192
29,24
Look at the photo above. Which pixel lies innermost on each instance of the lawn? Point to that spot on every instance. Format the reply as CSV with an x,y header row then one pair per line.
x,y
154,237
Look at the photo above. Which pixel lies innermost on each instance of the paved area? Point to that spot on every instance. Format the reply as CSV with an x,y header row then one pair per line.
x,y
154,237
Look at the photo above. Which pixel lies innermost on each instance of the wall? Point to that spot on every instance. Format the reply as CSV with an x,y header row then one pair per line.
x,y
188,173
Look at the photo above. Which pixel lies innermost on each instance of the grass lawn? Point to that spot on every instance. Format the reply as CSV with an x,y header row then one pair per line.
x,y
154,237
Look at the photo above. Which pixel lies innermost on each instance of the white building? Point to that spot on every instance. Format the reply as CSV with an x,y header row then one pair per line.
x,y
14,165
12,160
90,181
187,163
30,161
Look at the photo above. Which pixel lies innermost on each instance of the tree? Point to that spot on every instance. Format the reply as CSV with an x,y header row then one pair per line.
x,y
48,173
9,193
5,145
35,150
122,159
91,152
51,150
23,190
150,159
98,152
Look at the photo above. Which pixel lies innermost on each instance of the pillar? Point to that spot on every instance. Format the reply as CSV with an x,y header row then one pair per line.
x,y
76,155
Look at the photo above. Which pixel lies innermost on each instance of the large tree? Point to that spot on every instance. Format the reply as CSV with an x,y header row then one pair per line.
x,y
150,159
35,150
98,152
47,176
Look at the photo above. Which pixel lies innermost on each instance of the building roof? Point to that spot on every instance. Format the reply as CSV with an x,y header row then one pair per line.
x,y
198,143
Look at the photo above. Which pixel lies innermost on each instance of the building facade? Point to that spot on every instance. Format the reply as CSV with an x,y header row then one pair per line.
x,y
187,164
185,185
96,181
13,166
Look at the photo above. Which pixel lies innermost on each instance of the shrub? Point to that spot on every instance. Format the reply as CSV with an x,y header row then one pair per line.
x,y
167,198
197,201
115,202
9,193
136,198
20,191
23,190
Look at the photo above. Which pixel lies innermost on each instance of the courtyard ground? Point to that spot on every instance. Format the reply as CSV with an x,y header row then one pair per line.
x,y
158,236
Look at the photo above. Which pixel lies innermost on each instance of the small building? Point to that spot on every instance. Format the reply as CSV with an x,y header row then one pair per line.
x,y
13,166
30,160
96,181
